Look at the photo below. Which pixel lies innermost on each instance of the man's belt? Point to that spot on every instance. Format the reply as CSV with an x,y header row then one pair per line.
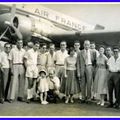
x,y
88,65
17,63
60,64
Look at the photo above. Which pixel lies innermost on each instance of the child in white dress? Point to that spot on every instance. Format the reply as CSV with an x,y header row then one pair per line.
x,y
43,87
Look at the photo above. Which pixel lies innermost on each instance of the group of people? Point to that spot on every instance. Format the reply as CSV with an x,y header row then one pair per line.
x,y
89,72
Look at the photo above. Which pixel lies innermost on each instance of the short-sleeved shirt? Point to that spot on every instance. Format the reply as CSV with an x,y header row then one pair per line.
x,y
114,66
60,57
17,55
4,59
50,60
42,59
53,82
31,57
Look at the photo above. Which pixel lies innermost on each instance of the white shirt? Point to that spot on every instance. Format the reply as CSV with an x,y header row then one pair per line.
x,y
88,57
31,57
16,55
60,57
4,60
42,59
54,82
50,60
114,66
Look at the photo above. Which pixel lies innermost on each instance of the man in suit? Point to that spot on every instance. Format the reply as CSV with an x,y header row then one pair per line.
x,y
85,63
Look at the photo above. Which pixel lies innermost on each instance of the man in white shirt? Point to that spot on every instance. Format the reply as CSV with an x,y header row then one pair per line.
x,y
54,85
114,78
51,57
93,47
60,59
30,60
42,58
17,69
5,69
77,47
108,52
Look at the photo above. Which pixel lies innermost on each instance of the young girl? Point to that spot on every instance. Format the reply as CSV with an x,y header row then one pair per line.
x,y
42,87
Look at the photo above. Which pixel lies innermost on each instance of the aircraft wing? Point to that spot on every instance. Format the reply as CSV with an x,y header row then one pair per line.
x,y
101,37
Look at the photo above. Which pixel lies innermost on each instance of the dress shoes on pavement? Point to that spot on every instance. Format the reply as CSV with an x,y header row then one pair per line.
x,y
10,101
28,101
20,99
110,106
2,101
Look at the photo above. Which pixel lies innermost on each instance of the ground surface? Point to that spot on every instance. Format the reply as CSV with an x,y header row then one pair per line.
x,y
60,109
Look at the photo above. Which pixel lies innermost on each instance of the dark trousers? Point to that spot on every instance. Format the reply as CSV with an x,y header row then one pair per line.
x,y
114,85
4,82
52,97
86,82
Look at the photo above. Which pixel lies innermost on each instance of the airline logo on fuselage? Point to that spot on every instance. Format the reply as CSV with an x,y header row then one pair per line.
x,y
54,16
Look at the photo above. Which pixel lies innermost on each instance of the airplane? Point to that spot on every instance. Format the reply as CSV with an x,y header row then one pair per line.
x,y
38,23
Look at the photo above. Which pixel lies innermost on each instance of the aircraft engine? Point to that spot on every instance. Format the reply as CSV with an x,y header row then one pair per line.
x,y
27,25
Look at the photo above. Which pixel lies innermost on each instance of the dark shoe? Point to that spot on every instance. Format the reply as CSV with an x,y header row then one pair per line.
x,y
88,101
82,101
10,101
28,101
116,106
110,106
2,101
20,99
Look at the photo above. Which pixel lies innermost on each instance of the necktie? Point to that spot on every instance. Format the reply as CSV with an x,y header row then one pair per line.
x,y
86,58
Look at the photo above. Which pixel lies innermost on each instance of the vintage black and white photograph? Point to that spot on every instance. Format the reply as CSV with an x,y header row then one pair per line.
x,y
59,59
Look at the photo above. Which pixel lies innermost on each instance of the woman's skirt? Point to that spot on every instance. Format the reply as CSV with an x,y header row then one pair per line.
x,y
100,82
70,85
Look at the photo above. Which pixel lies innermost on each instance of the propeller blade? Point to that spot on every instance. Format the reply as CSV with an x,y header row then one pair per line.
x,y
13,10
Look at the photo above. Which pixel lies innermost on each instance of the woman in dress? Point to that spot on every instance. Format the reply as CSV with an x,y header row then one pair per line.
x,y
71,83
100,83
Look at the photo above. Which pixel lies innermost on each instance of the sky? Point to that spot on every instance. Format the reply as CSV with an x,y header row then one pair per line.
x,y
107,15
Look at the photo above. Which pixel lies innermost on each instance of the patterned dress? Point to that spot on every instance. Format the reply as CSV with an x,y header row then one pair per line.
x,y
100,82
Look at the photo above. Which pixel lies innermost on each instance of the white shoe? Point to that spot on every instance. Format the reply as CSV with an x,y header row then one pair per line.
x,y
66,101
102,104
45,102
42,103
99,103
71,100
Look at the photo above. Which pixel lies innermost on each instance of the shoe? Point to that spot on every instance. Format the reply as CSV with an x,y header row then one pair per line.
x,y
28,101
88,101
116,106
20,99
99,103
10,101
67,100
82,101
71,100
102,104
45,102
110,106
2,101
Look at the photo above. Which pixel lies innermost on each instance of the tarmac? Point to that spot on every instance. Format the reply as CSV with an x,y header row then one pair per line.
x,y
60,109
